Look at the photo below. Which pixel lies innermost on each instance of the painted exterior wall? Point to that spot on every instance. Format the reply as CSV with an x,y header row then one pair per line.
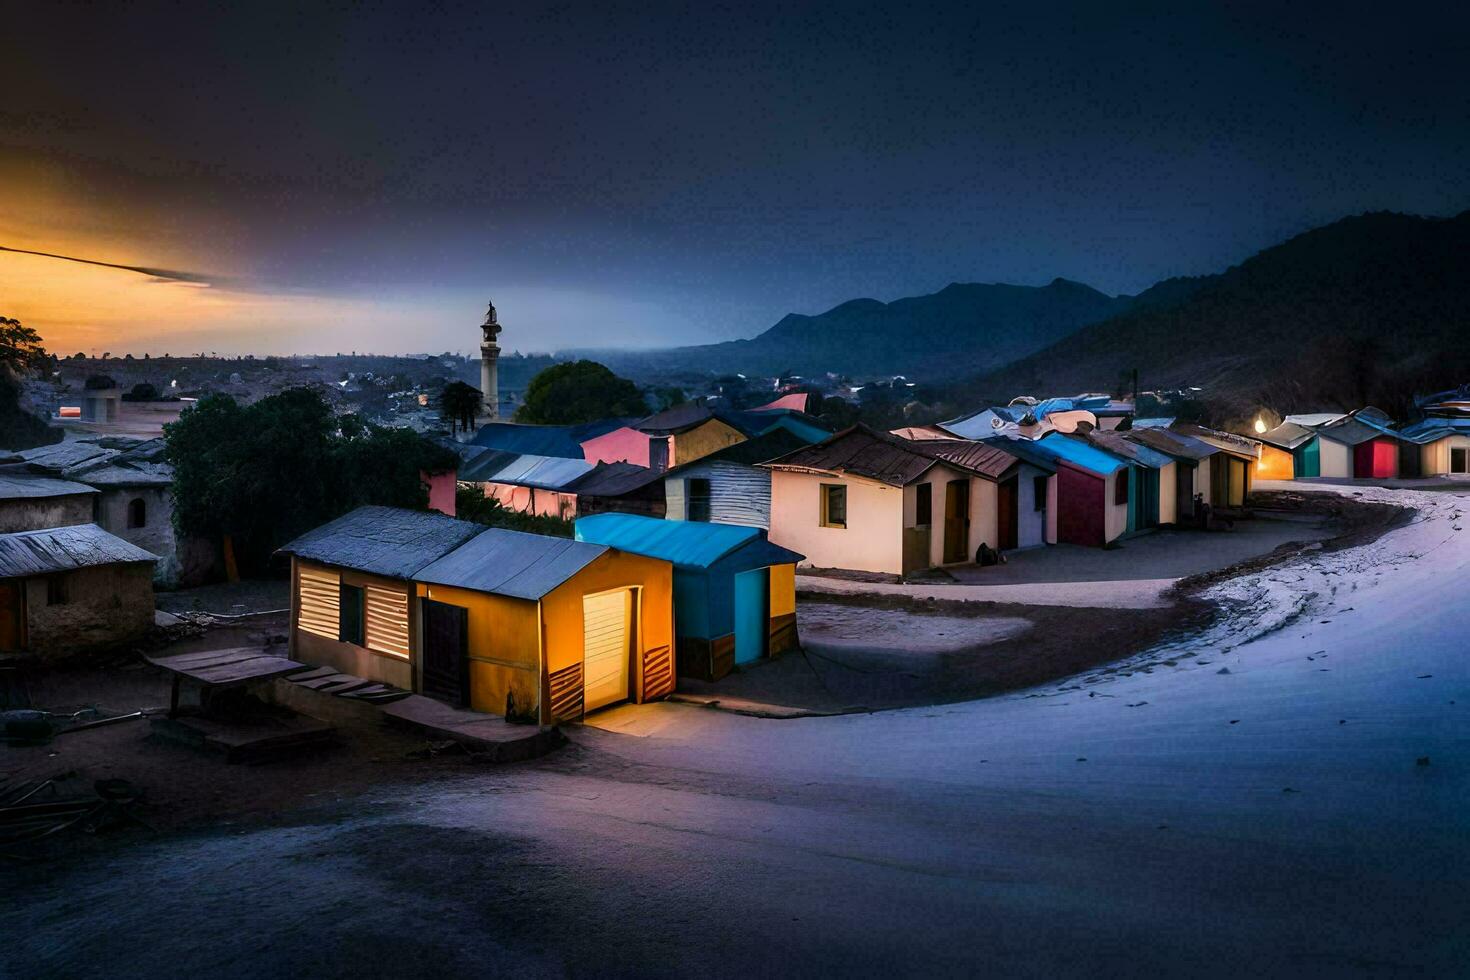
x,y
981,512
441,491
504,648
1115,522
1081,508
620,445
35,513
1435,456
1336,459
702,440
1308,459
349,658
561,614
113,509
1276,464
739,494
532,500
783,609
1169,494
105,606
1376,459
872,540
1032,523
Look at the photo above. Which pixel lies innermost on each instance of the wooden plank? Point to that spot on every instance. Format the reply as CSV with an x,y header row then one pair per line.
x,y
206,658
239,673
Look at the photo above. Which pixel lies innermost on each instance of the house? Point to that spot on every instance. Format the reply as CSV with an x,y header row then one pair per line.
x,y
1358,447
621,488
1442,443
542,440
668,438
728,486
71,588
870,501
29,502
526,483
1153,493
1192,465
505,622
1231,468
1290,451
1093,490
734,591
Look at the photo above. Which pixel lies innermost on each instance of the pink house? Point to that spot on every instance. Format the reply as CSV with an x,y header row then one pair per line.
x,y
628,445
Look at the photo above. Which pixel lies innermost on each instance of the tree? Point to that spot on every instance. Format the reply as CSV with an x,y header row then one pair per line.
x,y
460,403
579,391
262,474
20,346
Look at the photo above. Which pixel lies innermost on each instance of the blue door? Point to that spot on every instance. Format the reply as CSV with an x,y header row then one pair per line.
x,y
752,618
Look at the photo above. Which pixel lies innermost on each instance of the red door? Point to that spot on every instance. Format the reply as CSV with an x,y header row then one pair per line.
x,y
1081,507
1376,459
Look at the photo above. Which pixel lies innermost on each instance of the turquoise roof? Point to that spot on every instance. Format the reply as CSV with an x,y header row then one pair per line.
x,y
691,544
1081,454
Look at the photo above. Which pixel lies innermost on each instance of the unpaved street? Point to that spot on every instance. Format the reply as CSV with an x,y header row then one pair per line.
x,y
1283,795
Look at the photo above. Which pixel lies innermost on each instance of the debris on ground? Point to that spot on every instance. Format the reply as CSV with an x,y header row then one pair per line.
x,y
40,809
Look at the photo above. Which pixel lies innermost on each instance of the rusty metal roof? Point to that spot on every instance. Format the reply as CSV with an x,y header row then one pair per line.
x,y
865,452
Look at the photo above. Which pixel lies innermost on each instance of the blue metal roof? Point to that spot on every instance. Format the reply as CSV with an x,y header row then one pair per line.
x,y
544,472
1430,429
564,441
688,544
1081,454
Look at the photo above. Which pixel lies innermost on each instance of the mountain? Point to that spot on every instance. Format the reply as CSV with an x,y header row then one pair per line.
x,y
1355,312
964,328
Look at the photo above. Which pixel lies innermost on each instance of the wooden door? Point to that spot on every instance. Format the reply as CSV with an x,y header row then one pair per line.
x,y
446,664
1183,492
605,638
12,616
1007,514
956,520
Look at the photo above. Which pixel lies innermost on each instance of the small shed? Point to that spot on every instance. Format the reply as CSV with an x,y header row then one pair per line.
x,y
72,588
734,591
1227,482
1357,448
620,487
28,502
1153,492
1092,491
1289,452
1191,464
1442,444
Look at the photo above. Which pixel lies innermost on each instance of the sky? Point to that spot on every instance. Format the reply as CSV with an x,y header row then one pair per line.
x,y
365,177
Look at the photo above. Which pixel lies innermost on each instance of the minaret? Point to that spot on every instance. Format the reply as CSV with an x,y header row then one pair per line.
x,y
489,369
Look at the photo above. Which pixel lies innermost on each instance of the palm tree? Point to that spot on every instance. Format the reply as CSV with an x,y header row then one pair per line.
x,y
460,403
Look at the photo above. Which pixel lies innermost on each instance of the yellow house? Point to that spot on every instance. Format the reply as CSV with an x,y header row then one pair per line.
x,y
501,621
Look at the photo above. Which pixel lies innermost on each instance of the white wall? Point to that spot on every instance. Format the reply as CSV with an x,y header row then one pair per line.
x,y
1032,526
1115,523
1336,459
1168,494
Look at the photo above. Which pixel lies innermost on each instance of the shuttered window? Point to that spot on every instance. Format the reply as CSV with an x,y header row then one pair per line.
x,y
349,616
387,621
317,598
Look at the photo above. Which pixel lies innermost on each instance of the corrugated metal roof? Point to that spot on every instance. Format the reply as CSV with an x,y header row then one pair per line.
x,y
1287,436
1114,443
1228,441
689,544
542,472
862,451
386,541
1171,443
485,464
19,485
1313,419
1079,453
62,549
1028,451
1352,432
511,563
615,480
1431,429
564,441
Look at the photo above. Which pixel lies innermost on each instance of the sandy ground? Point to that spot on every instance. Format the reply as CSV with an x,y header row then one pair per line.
x,y
1281,794
830,626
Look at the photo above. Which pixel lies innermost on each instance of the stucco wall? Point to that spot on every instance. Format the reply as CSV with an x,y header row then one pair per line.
x,y
157,533
1031,528
531,500
626,445
873,538
104,606
441,491
34,513
1275,464
1336,459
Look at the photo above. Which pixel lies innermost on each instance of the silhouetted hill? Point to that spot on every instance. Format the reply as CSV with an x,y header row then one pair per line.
x,y
962,329
1354,312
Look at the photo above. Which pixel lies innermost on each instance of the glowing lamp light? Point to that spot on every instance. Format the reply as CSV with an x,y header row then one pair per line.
x,y
1260,424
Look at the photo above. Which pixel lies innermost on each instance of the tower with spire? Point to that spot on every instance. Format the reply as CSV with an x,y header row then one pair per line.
x,y
489,366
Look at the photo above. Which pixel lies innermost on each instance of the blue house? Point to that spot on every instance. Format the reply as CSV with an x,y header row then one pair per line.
x,y
734,591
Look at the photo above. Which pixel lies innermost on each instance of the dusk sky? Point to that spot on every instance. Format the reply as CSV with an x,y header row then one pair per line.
x,y
342,178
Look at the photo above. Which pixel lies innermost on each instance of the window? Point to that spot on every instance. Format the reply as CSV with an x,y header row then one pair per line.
x,y
318,602
137,512
1038,492
387,621
1120,486
1458,460
834,505
696,495
924,505
349,614
57,591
